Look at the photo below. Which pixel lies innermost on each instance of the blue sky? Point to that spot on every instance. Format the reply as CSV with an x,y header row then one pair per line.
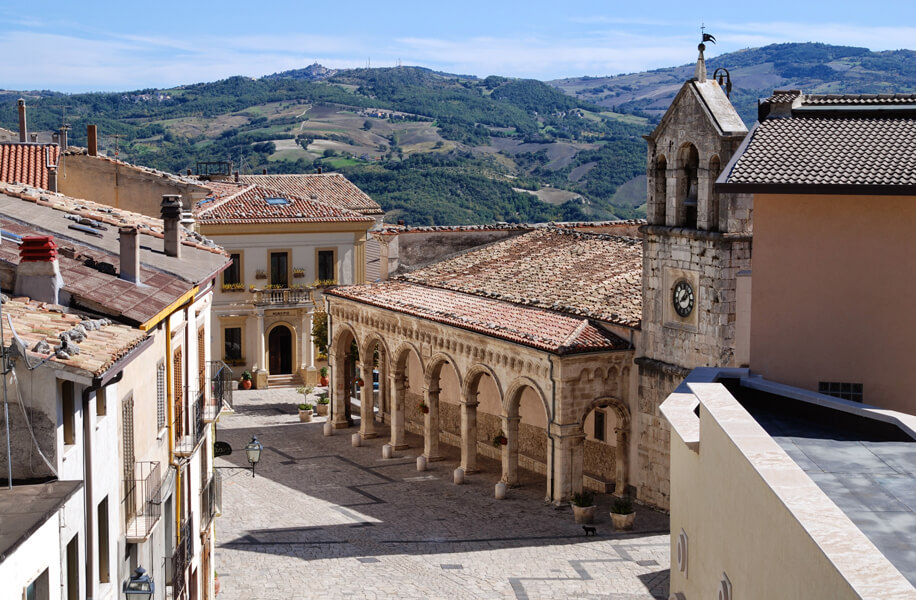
x,y
84,46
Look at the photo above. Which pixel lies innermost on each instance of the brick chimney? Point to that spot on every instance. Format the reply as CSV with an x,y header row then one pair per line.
x,y
38,274
130,254
171,215
23,128
92,133
235,176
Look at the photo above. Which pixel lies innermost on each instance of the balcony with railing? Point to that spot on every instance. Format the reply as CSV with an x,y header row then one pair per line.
x,y
220,397
141,504
283,296
211,500
189,426
181,560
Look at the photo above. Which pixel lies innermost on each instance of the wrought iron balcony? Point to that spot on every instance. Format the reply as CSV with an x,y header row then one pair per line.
x,y
220,397
189,426
283,296
181,560
141,505
211,500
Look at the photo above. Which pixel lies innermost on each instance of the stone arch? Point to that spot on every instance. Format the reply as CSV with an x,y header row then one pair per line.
x,y
367,394
514,395
469,403
399,386
511,419
472,379
431,398
622,432
659,193
289,357
342,375
434,366
688,171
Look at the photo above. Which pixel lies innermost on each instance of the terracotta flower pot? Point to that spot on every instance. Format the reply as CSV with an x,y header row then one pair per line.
x,y
324,381
322,409
305,416
245,384
424,409
503,441
584,514
623,522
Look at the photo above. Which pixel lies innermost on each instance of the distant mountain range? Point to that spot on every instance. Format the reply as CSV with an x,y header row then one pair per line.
x,y
438,148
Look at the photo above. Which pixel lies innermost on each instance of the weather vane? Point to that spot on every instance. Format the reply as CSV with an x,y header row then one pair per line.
x,y
707,37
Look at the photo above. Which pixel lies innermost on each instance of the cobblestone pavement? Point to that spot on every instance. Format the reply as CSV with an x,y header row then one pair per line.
x,y
323,519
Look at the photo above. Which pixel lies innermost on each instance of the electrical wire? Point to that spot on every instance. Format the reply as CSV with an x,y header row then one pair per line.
x,y
29,425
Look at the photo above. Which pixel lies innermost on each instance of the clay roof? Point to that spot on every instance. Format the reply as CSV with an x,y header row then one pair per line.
x,y
104,344
388,229
585,274
823,154
89,250
233,203
538,328
27,163
782,96
329,188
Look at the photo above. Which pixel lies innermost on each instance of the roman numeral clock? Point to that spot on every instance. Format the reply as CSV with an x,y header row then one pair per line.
x,y
683,298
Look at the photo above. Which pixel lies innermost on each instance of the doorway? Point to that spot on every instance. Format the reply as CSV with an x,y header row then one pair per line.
x,y
280,350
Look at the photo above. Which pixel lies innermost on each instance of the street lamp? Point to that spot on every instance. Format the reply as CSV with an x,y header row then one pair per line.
x,y
140,585
253,452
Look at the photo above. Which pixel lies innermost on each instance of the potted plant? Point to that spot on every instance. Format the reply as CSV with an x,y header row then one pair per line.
x,y
424,408
360,382
583,504
245,383
297,272
322,407
622,513
260,274
500,439
305,412
323,371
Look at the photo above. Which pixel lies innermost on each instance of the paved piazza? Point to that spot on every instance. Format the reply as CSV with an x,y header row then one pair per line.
x,y
323,519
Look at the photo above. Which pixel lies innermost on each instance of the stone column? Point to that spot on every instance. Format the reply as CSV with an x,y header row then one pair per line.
x,y
672,214
566,472
622,460
366,402
339,391
510,451
431,425
704,197
398,397
469,433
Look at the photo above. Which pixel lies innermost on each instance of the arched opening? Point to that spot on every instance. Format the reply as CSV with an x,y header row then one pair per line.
x,y
373,369
688,186
525,454
606,453
441,412
659,197
715,212
406,394
344,357
280,350
481,410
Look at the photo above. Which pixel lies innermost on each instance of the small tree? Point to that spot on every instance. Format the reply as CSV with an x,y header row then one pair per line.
x,y
320,332
367,124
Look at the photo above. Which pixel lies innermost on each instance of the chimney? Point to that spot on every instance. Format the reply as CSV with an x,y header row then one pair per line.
x,y
23,129
38,274
33,137
63,137
188,172
92,134
52,179
171,215
236,176
319,170
263,171
130,254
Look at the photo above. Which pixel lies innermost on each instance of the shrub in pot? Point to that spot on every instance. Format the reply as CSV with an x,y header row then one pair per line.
x,y
305,412
245,383
322,407
622,513
583,504
323,372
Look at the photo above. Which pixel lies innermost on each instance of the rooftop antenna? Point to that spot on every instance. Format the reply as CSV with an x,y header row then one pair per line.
x,y
117,138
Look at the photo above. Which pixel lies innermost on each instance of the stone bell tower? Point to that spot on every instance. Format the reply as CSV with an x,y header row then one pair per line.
x,y
695,243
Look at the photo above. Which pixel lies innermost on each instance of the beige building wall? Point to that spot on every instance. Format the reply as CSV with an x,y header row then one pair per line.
x,y
818,262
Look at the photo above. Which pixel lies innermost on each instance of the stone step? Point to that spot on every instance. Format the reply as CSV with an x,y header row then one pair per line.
x,y
284,380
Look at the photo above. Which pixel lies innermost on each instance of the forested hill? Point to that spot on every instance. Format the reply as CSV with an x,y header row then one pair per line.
x,y
437,148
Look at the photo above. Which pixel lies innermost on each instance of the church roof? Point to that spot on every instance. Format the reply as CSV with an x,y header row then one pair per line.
x,y
714,104
329,188
538,328
590,275
829,144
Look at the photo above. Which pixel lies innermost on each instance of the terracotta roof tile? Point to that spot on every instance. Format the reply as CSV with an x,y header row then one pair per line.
x,y
538,328
330,188
820,151
590,275
249,204
27,163
100,349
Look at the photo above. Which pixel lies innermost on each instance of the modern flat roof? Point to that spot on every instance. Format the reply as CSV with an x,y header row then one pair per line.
x,y
25,508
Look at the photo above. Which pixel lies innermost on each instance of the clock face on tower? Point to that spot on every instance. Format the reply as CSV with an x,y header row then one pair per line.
x,y
683,298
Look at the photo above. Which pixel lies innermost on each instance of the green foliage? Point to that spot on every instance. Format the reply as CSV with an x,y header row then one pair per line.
x,y
622,505
320,334
584,498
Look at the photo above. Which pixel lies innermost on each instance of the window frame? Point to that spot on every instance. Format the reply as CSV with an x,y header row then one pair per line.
x,y
333,251
289,263
238,266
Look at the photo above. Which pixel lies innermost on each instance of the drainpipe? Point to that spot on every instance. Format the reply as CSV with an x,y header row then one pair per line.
x,y
169,396
553,418
97,384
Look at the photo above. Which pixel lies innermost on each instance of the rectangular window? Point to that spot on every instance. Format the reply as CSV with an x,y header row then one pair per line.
x,y
160,396
38,589
599,425
127,453
201,359
233,343
101,403
104,572
68,406
846,391
73,569
233,274
279,269
326,270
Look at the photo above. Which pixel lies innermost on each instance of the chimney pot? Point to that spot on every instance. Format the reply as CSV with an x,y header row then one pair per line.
x,y
171,215
188,172
23,128
130,254
38,274
63,137
92,133
319,170
263,171
33,137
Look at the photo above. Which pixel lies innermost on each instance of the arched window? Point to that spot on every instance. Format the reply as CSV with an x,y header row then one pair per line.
x,y
688,186
659,198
